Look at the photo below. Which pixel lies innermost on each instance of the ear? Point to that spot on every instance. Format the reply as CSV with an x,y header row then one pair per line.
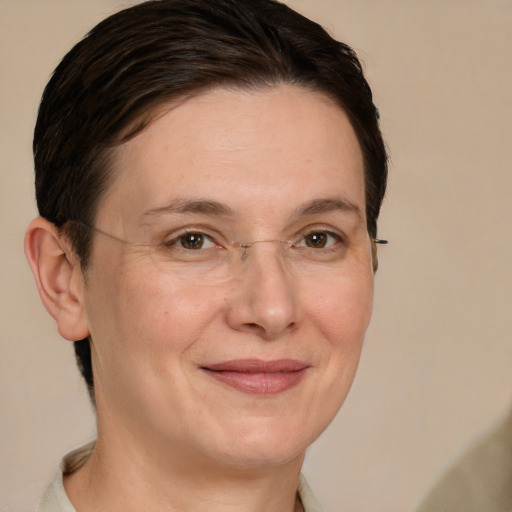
x,y
58,276
375,259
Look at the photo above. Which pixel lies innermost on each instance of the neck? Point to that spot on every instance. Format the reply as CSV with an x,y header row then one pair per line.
x,y
170,479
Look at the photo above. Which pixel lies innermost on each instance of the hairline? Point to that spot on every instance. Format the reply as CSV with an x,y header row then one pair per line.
x,y
142,121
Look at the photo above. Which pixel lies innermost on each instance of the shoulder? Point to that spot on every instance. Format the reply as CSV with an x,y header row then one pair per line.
x,y
55,498
307,497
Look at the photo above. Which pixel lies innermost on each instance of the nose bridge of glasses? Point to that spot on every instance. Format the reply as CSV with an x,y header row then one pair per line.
x,y
245,246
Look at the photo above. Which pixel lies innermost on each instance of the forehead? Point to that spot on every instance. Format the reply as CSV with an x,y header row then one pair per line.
x,y
242,148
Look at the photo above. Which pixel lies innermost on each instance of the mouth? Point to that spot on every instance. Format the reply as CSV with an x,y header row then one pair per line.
x,y
257,377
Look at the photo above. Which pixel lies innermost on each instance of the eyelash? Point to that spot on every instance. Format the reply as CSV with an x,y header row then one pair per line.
x,y
337,238
174,242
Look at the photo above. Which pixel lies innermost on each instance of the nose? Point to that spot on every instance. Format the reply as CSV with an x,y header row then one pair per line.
x,y
264,299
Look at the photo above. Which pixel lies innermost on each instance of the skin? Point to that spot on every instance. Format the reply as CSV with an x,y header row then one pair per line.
x,y
170,436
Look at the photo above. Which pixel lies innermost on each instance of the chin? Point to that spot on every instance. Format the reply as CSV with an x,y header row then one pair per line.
x,y
262,457
268,445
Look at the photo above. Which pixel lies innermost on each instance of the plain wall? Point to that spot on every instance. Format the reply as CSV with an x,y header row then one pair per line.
x,y
435,371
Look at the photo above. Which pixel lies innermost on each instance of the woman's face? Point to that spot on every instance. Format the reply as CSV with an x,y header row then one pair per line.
x,y
231,356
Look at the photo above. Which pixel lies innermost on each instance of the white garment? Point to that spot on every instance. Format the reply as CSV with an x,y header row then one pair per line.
x,y
55,498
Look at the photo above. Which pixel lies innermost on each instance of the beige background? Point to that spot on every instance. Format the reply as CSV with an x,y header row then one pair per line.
x,y
435,372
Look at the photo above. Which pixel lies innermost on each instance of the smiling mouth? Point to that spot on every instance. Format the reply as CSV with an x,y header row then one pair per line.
x,y
257,377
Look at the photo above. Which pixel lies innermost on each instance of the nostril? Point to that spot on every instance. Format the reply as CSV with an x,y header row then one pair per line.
x,y
254,327
268,332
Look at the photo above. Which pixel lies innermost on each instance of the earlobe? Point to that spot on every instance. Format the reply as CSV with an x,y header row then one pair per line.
x,y
58,277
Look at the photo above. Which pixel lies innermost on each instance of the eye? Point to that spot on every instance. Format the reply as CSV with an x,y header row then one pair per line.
x,y
319,240
192,241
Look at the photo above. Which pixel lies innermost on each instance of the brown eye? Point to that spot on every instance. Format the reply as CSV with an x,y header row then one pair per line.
x,y
191,241
195,241
316,240
319,240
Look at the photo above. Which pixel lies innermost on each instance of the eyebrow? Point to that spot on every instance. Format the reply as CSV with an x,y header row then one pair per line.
x,y
327,205
201,206
209,207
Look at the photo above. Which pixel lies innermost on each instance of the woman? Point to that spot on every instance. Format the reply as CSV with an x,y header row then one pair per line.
x,y
209,177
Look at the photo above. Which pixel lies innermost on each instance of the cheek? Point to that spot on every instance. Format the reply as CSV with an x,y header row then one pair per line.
x,y
342,310
168,314
138,314
339,316
145,329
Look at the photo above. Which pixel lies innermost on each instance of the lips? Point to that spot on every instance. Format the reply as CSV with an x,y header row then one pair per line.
x,y
258,377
